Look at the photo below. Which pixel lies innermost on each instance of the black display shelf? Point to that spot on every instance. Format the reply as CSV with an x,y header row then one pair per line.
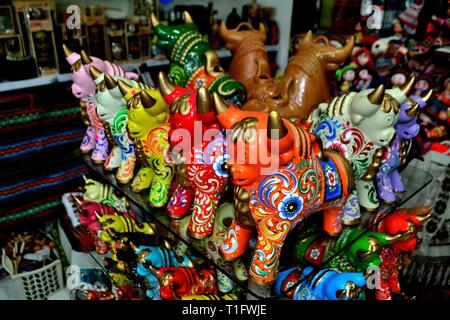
x,y
414,179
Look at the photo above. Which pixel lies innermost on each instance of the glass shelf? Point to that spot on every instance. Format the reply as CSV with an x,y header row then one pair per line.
x,y
414,179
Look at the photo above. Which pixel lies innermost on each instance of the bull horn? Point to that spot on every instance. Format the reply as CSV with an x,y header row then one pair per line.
x,y
67,51
86,180
308,37
154,270
85,59
147,100
262,29
154,20
203,101
78,202
124,87
393,238
408,85
219,104
167,245
187,17
95,73
223,30
97,215
165,85
377,95
111,232
427,95
275,122
340,54
133,246
424,213
110,82
413,111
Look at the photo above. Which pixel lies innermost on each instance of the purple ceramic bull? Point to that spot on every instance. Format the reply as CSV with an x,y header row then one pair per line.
x,y
388,179
83,88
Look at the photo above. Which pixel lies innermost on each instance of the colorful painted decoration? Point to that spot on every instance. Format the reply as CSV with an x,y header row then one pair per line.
x,y
300,179
358,126
177,282
203,173
158,257
101,193
193,62
148,115
324,284
388,179
405,222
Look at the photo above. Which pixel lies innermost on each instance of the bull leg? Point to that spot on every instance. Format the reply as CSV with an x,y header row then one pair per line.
x,y
235,241
114,159
332,221
100,152
397,183
88,141
202,218
264,265
351,213
367,196
384,187
159,190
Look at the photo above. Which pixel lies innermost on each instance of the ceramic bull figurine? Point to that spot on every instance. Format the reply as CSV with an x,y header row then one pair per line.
x,y
388,179
212,297
193,62
202,175
111,109
86,212
177,282
122,224
250,63
406,222
101,193
83,88
360,249
324,284
358,126
283,175
158,257
303,85
148,115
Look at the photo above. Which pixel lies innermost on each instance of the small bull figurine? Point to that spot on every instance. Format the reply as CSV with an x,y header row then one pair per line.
x,y
203,175
147,123
101,193
158,257
388,179
406,222
358,126
193,62
83,88
283,176
361,249
324,284
178,282
111,109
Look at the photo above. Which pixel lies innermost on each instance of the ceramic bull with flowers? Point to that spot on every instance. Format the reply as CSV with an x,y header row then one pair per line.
x,y
147,124
193,62
159,257
282,176
177,282
406,222
199,145
388,179
358,126
359,249
83,88
324,284
112,111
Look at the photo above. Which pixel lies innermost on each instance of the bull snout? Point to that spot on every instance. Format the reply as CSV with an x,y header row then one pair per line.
x,y
243,175
77,91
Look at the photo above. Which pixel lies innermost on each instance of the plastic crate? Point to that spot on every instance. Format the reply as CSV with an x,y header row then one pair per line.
x,y
37,284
